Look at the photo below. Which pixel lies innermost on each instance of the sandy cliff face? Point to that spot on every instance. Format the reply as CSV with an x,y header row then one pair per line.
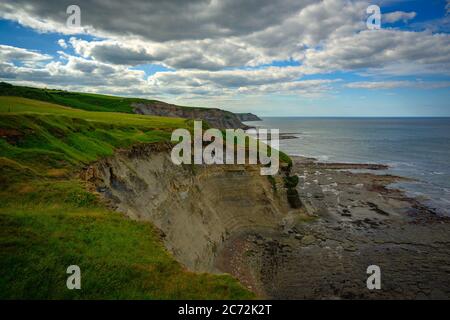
x,y
196,208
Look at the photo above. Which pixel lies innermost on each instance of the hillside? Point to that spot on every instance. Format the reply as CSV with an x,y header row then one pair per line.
x,y
103,103
48,220
248,117
216,118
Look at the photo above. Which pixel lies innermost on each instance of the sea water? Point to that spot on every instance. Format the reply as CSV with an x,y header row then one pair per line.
x,y
417,148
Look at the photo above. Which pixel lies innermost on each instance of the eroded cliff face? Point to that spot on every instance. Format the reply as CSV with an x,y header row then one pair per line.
x,y
196,208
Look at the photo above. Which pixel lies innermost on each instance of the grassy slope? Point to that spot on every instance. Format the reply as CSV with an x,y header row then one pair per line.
x,y
77,100
48,221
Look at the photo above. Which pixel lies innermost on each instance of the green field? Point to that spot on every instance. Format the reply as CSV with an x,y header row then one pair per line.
x,y
49,221
76,100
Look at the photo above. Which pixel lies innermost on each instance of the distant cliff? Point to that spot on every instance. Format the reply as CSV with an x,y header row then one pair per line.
x,y
248,117
216,118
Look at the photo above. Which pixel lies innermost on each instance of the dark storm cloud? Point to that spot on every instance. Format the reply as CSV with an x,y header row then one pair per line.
x,y
166,20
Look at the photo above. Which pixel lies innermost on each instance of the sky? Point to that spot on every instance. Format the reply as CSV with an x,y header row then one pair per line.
x,y
269,57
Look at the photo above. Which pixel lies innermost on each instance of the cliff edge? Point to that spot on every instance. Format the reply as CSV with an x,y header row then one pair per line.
x,y
248,117
196,208
216,118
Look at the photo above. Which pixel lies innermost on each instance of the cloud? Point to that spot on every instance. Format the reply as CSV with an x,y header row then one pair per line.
x,y
72,72
382,51
157,20
23,56
285,40
271,80
217,48
227,78
200,34
395,16
375,85
62,43
310,27
199,54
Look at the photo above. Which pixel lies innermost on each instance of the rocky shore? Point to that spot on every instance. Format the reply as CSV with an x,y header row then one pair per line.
x,y
231,219
351,220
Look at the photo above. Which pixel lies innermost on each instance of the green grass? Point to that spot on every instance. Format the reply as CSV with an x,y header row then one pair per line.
x,y
14,105
49,221
76,100
118,258
85,101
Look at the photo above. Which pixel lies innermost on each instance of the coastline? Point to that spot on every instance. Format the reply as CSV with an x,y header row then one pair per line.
x,y
412,148
352,220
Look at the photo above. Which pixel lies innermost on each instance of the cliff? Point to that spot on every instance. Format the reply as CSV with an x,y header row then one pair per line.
x,y
196,208
42,147
248,117
216,118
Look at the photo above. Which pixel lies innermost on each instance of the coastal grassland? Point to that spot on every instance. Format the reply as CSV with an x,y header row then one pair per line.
x,y
85,101
49,221
76,100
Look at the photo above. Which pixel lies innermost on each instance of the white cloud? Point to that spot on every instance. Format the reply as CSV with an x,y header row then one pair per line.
x,y
199,54
217,48
62,43
395,16
80,73
375,85
23,56
73,72
209,35
383,51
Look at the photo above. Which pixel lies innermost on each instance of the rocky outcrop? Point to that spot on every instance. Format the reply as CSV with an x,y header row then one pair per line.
x,y
231,219
197,208
216,118
248,117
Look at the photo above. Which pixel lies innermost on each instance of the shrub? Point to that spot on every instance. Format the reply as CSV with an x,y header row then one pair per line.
x,y
291,181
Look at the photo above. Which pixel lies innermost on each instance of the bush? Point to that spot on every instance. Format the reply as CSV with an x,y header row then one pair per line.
x,y
294,199
291,181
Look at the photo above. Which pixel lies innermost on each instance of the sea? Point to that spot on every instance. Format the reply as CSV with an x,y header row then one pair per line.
x,y
417,148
